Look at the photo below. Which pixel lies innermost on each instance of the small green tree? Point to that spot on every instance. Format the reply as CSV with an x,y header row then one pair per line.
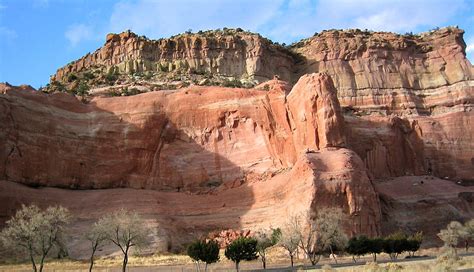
x,y
395,244
358,246
203,251
265,239
375,246
414,243
242,249
35,231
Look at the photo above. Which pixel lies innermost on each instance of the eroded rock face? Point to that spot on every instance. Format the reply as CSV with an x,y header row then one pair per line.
x,y
315,113
194,138
385,112
391,73
239,55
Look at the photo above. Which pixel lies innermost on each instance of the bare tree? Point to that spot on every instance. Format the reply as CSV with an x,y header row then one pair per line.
x,y
97,236
323,233
36,231
290,236
266,239
125,229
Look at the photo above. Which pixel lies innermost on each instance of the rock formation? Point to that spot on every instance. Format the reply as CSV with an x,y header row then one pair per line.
x,y
233,53
355,120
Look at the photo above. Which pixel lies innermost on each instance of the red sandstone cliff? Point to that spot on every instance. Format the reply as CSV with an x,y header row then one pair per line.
x,y
383,112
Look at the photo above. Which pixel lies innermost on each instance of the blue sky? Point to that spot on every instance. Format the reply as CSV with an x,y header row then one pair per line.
x,y
39,36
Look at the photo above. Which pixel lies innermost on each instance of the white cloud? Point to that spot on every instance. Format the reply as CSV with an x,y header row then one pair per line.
x,y
307,17
7,34
77,33
280,20
470,49
165,18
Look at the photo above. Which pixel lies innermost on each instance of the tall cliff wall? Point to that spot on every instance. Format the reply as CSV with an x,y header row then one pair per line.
x,y
232,53
390,73
383,109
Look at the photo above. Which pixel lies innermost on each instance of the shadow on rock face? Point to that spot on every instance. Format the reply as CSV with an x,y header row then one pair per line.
x,y
120,153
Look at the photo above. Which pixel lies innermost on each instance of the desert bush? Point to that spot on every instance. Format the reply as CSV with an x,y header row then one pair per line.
x,y
35,232
71,77
452,234
88,75
82,89
242,249
203,251
111,76
234,83
469,233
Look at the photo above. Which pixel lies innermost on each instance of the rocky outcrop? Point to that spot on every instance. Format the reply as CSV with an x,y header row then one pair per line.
x,y
195,138
230,53
390,73
315,113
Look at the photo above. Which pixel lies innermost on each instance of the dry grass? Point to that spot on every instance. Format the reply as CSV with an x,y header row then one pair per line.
x,y
277,257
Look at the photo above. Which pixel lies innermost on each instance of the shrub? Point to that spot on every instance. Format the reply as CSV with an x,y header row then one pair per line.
x,y
71,77
242,249
202,251
82,89
88,75
452,234
111,76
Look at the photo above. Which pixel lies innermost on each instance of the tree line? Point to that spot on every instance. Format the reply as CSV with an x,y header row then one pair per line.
x,y
36,232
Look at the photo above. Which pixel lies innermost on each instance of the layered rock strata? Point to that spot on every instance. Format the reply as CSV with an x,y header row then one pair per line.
x,y
239,54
